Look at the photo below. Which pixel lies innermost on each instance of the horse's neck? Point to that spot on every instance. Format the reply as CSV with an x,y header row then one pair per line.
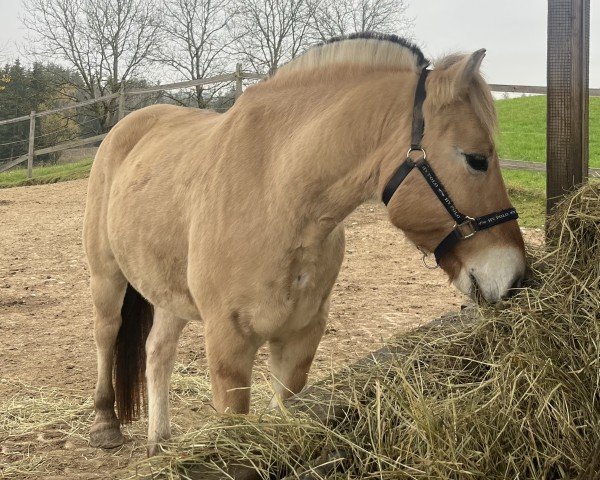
x,y
338,152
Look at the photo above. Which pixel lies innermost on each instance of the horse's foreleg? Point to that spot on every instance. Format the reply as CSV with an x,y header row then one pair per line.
x,y
161,350
290,358
230,351
108,292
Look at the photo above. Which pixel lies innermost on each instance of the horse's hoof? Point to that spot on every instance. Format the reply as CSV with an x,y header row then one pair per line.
x,y
154,445
106,435
153,450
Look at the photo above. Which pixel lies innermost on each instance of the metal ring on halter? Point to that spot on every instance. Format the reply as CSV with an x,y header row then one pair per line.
x,y
424,259
413,149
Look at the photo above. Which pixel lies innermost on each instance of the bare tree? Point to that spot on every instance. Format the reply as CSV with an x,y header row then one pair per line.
x,y
333,18
3,54
272,32
196,40
107,42
275,31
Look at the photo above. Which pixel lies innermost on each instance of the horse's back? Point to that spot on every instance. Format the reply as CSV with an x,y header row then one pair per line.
x,y
146,122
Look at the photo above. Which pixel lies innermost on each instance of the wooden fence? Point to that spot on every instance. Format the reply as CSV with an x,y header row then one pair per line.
x,y
238,76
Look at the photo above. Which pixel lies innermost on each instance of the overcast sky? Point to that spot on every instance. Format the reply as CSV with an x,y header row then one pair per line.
x,y
512,31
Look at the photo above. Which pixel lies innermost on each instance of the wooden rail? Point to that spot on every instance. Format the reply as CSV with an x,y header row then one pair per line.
x,y
91,101
238,76
497,87
80,142
14,120
537,167
71,144
190,83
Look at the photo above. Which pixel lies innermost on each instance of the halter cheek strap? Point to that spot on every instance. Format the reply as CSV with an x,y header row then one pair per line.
x,y
464,226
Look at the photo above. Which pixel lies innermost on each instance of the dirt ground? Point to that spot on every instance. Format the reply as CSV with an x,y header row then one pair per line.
x,y
46,347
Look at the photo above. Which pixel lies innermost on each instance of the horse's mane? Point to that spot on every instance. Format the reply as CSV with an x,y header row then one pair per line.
x,y
371,49
367,48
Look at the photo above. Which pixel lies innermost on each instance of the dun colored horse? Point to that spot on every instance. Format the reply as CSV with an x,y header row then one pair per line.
x,y
235,219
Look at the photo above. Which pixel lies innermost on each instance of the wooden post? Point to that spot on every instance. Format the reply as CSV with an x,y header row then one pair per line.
x,y
238,80
121,113
568,97
31,151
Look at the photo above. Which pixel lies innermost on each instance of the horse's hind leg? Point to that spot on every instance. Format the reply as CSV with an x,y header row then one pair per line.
x,y
161,350
290,357
108,292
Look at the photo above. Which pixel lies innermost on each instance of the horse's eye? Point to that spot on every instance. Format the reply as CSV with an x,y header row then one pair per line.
x,y
477,162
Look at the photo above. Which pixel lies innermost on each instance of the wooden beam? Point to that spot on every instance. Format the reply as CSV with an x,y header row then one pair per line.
x,y
230,77
14,120
72,144
30,153
122,99
568,97
238,81
57,148
498,87
12,163
537,167
91,101
254,76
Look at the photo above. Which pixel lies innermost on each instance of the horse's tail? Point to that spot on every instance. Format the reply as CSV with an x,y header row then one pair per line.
x,y
130,354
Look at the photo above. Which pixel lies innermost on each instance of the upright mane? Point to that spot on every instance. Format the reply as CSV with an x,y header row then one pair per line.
x,y
368,48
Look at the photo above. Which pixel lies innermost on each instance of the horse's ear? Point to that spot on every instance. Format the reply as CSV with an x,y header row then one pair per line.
x,y
472,67
464,71
454,81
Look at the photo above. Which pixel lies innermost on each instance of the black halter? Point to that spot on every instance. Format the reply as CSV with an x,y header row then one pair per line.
x,y
464,226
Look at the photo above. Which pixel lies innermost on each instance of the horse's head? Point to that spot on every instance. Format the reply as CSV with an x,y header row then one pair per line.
x,y
458,140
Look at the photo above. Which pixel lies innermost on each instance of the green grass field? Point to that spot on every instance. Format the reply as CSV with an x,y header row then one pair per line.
x,y
527,191
522,137
523,129
50,174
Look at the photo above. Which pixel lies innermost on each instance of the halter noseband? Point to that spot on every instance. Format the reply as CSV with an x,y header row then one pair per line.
x,y
464,226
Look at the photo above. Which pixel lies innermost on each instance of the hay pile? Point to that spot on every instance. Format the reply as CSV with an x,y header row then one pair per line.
x,y
514,393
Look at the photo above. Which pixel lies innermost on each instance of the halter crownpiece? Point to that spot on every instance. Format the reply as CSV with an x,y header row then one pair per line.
x,y
464,226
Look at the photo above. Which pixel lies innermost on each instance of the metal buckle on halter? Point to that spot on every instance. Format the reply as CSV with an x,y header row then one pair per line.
x,y
466,229
413,149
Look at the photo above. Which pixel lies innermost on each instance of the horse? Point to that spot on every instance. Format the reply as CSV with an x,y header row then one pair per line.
x,y
236,219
